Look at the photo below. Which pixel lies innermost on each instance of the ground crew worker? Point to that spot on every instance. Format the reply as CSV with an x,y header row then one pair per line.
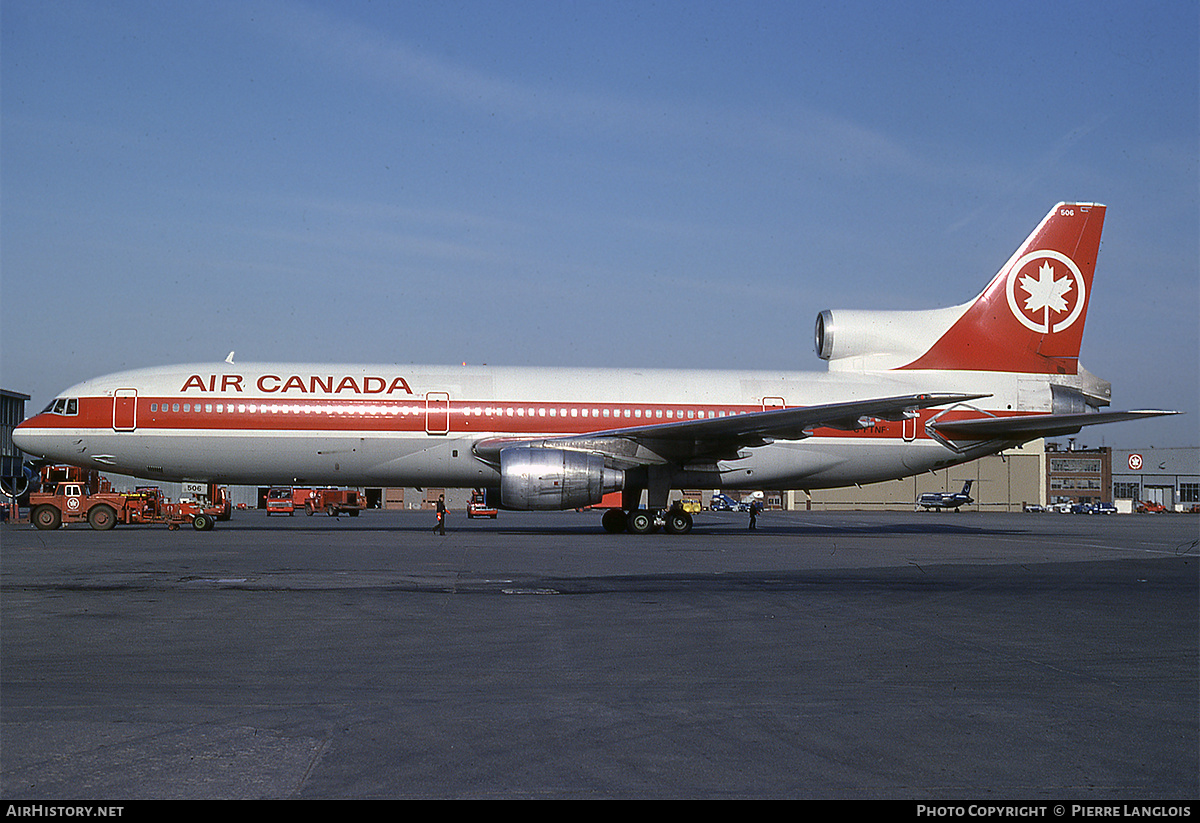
x,y
755,506
441,515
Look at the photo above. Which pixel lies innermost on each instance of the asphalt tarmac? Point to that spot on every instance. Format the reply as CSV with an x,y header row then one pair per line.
x,y
916,656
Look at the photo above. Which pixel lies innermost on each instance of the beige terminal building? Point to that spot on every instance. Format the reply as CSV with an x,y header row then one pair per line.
x,y
1003,482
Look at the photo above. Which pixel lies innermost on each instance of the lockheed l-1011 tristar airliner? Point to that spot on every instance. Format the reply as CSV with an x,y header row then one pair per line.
x,y
905,392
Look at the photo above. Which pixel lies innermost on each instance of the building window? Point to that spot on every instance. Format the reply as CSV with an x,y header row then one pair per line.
x,y
1078,465
1189,492
1125,491
1075,483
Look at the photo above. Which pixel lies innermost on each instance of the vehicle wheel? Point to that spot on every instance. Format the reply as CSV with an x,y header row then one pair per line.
x,y
613,521
201,523
679,522
47,517
102,518
640,521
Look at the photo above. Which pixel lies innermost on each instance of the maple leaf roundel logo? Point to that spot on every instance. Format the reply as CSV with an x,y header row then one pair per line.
x,y
1046,291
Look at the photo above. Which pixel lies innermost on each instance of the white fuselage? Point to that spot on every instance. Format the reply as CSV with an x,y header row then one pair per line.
x,y
391,425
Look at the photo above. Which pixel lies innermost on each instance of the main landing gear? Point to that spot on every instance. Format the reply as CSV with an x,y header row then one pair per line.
x,y
646,521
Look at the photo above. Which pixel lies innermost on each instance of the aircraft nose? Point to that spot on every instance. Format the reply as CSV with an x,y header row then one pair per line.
x,y
36,441
26,440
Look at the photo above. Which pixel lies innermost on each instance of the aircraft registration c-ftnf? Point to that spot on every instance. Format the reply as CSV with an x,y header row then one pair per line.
x,y
905,392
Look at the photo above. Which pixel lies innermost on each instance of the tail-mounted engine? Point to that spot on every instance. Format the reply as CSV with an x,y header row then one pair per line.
x,y
873,340
554,479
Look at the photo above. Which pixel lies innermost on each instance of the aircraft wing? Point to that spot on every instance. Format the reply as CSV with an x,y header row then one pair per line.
x,y
720,438
1029,427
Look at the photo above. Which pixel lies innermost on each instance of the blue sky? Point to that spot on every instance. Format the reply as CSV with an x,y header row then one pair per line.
x,y
629,184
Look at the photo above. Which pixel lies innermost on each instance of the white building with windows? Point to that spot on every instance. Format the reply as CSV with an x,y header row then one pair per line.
x,y
1167,476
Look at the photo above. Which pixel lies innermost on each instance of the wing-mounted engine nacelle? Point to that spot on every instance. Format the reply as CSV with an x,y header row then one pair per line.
x,y
554,479
860,339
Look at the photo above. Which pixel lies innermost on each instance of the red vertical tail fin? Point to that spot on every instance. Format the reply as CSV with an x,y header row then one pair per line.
x,y
1030,317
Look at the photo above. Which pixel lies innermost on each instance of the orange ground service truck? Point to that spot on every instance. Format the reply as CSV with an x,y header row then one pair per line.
x,y
73,495
334,502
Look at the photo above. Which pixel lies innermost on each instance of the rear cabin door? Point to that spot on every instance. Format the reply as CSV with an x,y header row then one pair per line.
x,y
125,410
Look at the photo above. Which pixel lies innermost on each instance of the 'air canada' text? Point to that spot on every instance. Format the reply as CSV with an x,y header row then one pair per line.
x,y
311,384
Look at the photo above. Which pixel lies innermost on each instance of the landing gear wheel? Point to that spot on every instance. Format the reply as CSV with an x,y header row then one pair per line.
x,y
678,522
640,521
613,521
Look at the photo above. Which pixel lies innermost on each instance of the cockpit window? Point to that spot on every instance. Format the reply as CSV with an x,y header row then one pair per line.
x,y
63,405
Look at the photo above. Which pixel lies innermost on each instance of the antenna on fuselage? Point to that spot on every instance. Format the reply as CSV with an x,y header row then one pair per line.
x,y
229,359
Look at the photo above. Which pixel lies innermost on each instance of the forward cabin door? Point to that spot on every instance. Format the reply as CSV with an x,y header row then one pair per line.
x,y
125,410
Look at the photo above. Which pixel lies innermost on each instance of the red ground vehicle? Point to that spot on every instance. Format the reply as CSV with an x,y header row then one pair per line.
x,y
478,506
281,501
76,496
334,502
300,498
1150,507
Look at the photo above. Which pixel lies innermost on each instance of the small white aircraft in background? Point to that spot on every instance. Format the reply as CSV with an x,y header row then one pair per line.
x,y
906,392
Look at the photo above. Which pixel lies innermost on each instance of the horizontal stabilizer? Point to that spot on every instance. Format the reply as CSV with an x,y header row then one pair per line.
x,y
1032,426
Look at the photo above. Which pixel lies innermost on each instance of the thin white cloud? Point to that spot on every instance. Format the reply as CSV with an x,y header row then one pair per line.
x,y
794,132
